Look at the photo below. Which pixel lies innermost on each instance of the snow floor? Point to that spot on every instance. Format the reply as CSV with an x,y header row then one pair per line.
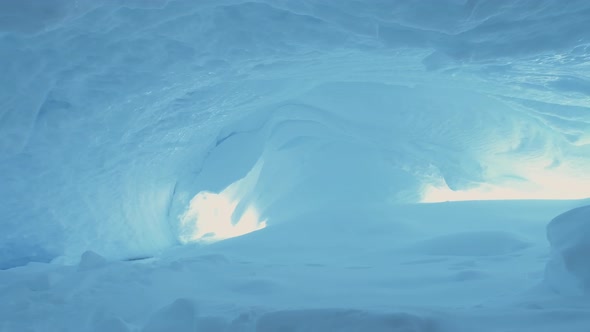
x,y
464,266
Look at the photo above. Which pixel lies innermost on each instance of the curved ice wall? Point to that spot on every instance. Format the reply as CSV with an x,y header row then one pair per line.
x,y
127,126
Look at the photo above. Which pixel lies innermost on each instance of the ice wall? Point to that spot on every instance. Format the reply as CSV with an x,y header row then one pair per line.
x,y
114,115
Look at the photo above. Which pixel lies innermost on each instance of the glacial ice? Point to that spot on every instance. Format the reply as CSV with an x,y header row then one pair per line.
x,y
309,165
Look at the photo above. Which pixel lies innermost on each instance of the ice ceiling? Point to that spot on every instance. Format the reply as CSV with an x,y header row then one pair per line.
x,y
126,126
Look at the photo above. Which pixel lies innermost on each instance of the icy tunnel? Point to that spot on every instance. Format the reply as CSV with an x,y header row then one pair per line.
x,y
116,115
132,128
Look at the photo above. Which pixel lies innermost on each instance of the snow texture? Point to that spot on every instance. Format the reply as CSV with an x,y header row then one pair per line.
x,y
297,165
373,275
569,235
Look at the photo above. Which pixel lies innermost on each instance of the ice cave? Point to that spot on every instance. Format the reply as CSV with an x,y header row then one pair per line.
x,y
295,165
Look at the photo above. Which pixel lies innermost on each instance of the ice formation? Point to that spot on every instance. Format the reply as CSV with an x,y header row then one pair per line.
x,y
272,152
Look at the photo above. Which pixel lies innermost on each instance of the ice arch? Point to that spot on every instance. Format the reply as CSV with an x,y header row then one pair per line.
x,y
115,115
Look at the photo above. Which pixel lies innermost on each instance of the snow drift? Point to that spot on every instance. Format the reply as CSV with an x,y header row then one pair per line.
x,y
569,234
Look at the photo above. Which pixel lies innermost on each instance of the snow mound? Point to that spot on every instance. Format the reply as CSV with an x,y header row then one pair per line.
x,y
343,320
480,243
179,316
91,260
568,270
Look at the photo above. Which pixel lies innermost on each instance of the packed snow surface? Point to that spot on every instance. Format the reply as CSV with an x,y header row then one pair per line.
x,y
410,268
289,165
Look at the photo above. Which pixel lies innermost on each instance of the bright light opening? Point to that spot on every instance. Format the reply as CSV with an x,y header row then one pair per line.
x,y
213,217
535,183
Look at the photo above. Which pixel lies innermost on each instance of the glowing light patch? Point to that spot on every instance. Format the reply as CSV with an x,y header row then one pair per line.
x,y
540,184
213,217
